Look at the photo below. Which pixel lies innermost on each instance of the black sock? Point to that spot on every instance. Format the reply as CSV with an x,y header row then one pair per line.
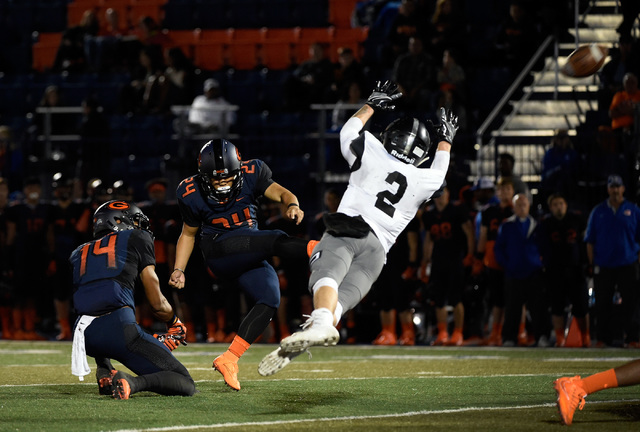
x,y
166,383
256,322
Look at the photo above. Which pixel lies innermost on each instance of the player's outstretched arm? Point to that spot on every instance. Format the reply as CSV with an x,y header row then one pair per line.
x,y
380,99
446,129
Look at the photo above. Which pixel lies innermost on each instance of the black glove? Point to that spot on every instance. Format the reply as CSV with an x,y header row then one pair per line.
x,y
448,126
383,95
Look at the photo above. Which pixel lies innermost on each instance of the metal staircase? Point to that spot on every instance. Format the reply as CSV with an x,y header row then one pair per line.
x,y
551,101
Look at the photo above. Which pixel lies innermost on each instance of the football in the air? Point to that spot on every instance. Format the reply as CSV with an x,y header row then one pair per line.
x,y
585,60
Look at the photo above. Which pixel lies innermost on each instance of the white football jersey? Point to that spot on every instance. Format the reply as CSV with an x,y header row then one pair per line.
x,y
385,191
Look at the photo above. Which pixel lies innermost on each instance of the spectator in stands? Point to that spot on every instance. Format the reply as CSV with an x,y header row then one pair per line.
x,y
415,74
506,163
340,113
630,13
447,28
559,165
516,38
624,59
347,71
406,25
94,156
180,78
105,51
613,242
517,251
208,111
150,33
624,110
71,55
451,76
310,81
146,91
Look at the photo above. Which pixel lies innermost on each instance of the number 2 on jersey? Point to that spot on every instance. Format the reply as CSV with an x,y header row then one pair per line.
x,y
386,198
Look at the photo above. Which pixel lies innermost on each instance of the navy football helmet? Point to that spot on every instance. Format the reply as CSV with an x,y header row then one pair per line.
x,y
407,139
116,216
220,159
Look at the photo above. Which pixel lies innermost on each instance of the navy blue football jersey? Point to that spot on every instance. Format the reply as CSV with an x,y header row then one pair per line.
x,y
105,270
198,210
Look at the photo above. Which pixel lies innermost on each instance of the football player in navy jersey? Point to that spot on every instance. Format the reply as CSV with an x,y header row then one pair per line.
x,y
220,202
387,185
105,271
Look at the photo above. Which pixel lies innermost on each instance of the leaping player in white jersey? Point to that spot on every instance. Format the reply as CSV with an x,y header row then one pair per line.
x,y
386,188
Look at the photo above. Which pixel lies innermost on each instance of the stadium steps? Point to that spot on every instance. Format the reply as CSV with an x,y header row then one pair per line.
x,y
532,118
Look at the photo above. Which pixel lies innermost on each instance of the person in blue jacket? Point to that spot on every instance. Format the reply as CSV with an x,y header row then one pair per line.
x,y
613,242
516,250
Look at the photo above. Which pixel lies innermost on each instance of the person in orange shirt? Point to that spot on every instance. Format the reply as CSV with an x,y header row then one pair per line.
x,y
624,104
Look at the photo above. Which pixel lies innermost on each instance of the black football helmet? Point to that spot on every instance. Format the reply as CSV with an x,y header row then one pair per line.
x,y
116,216
220,159
407,139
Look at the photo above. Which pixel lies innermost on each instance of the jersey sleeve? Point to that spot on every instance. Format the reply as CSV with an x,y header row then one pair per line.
x,y
350,132
142,242
264,174
189,216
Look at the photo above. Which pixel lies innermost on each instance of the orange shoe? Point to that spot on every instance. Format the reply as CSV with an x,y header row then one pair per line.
x,y
122,387
407,338
586,340
570,397
105,381
495,339
34,336
442,339
456,339
229,370
385,338
312,244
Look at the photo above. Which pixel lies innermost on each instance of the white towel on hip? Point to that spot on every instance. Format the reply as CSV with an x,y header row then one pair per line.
x,y
79,365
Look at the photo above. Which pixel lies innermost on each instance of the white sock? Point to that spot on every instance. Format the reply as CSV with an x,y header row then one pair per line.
x,y
322,317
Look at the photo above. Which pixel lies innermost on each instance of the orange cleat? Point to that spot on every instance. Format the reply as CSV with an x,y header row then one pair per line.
x,y
105,381
456,339
570,397
122,387
385,338
442,339
229,370
407,339
312,244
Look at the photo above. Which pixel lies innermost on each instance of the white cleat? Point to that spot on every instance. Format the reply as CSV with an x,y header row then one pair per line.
x,y
276,361
310,336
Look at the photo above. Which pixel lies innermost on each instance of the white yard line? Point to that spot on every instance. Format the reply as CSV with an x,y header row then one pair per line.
x,y
351,418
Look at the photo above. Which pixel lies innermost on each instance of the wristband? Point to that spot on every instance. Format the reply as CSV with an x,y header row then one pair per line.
x,y
172,321
293,205
179,269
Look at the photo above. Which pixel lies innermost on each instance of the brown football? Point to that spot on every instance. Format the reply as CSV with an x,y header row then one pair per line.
x,y
585,61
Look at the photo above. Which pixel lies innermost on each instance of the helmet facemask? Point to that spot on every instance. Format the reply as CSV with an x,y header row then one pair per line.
x,y
220,160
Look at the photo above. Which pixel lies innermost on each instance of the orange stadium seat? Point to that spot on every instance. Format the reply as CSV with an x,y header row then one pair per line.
x,y
210,54
44,51
242,55
340,12
309,36
185,39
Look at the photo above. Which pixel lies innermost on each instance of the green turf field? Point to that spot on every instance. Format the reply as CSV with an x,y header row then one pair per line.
x,y
354,388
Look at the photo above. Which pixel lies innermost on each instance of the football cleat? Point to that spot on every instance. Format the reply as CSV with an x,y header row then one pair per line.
x,y
310,246
456,339
442,339
122,385
105,381
310,335
385,338
229,370
570,397
276,360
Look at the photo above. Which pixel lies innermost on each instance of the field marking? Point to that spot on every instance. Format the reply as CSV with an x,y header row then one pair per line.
x,y
419,376
365,417
30,351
